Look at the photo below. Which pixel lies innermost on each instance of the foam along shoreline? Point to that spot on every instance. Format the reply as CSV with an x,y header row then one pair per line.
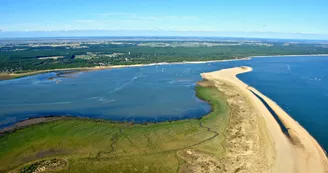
x,y
6,76
298,153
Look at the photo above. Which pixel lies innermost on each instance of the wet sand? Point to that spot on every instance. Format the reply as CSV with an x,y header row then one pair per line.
x,y
298,153
29,122
5,76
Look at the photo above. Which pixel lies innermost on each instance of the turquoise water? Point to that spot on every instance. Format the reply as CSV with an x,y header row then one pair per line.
x,y
166,92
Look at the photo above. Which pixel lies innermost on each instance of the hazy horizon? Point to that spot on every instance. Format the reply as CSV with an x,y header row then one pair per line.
x,y
235,18
140,33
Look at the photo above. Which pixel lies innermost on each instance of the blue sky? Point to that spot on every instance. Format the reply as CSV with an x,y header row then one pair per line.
x,y
265,18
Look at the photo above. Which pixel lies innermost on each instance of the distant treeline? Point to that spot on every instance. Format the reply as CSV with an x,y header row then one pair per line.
x,y
22,58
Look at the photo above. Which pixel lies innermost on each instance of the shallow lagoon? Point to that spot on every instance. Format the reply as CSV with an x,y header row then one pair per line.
x,y
166,92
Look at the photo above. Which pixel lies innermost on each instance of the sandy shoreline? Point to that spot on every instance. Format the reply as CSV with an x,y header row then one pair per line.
x,y
302,153
5,76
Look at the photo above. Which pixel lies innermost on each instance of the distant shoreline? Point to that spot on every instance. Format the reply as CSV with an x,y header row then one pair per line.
x,y
7,76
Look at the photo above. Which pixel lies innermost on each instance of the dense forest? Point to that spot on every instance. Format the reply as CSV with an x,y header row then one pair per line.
x,y
24,57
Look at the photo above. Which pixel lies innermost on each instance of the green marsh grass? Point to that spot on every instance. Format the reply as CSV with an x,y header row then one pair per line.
x,y
101,146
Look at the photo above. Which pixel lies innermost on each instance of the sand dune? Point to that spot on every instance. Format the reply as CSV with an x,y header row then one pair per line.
x,y
298,153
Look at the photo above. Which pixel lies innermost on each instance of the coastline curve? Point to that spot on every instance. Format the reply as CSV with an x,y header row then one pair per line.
x,y
302,153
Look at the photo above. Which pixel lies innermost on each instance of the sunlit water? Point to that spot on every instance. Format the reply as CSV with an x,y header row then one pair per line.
x,y
166,92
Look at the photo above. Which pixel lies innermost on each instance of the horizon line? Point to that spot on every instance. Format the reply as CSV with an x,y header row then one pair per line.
x,y
159,36
161,33
163,30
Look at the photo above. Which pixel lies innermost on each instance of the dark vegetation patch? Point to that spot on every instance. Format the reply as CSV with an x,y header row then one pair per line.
x,y
28,59
44,166
50,152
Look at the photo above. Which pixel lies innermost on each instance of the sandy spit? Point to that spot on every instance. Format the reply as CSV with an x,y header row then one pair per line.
x,y
299,153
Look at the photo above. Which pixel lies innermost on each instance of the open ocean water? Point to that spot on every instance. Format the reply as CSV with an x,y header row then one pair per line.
x,y
299,84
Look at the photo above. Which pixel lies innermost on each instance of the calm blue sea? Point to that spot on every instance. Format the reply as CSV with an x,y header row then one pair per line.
x,y
157,93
